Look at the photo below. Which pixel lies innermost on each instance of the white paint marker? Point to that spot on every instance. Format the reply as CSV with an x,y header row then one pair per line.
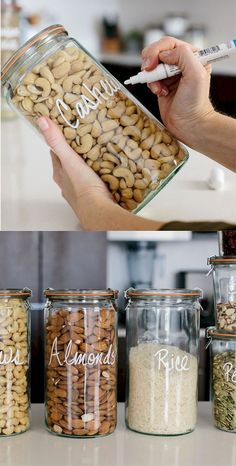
x,y
163,71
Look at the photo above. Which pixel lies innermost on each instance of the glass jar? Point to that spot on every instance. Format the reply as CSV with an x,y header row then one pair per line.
x,y
162,358
53,75
227,242
223,378
81,362
14,361
224,281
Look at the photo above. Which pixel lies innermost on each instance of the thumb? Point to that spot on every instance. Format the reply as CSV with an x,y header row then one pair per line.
x,y
183,57
55,139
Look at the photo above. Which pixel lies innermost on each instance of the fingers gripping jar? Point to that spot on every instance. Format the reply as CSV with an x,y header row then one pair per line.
x,y
53,75
81,362
14,361
162,357
223,378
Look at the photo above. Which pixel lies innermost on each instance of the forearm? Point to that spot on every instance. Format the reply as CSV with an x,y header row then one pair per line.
x,y
216,137
103,214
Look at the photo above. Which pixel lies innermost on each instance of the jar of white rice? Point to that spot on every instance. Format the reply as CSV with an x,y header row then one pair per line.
x,y
162,348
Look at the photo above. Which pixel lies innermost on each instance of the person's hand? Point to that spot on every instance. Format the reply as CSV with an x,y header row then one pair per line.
x,y
184,99
78,182
84,190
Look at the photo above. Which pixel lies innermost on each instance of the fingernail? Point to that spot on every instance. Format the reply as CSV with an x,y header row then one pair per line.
x,y
42,123
146,62
166,53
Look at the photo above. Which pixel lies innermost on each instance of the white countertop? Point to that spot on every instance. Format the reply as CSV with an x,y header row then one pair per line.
x,y
32,201
206,446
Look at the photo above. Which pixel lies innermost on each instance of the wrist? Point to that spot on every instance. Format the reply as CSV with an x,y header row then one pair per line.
x,y
91,209
197,132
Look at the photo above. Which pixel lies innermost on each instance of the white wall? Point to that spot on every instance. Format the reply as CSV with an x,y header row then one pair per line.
x,y
219,16
82,17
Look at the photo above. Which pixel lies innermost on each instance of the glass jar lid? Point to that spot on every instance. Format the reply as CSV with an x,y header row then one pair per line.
x,y
77,293
220,260
16,293
19,57
163,293
213,332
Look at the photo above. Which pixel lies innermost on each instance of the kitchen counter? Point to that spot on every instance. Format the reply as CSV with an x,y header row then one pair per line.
x,y
206,446
222,67
32,201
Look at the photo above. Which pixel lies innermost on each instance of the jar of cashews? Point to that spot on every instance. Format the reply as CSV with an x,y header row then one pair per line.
x,y
14,361
129,149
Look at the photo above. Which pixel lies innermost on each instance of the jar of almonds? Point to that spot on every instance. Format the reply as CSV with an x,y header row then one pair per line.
x,y
130,150
224,280
223,378
81,362
14,361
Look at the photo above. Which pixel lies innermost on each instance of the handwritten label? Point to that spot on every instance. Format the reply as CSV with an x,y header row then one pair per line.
x,y
170,361
85,105
8,358
230,374
86,359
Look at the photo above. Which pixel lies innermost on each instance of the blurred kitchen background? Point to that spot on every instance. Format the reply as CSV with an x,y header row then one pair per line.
x,y
115,31
118,260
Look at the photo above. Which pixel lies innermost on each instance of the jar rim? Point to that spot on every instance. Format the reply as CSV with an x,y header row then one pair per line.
x,y
213,332
87,293
178,292
215,260
22,293
18,56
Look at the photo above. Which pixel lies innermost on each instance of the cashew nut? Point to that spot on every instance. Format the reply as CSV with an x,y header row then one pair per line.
x,y
112,181
86,143
46,73
126,120
41,109
132,131
94,153
122,172
43,84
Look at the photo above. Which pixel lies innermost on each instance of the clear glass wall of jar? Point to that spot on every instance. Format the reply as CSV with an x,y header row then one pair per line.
x,y
224,280
162,360
81,362
53,75
223,378
14,361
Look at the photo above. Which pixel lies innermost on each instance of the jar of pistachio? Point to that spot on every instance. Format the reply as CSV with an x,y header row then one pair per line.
x,y
14,361
223,379
130,150
224,280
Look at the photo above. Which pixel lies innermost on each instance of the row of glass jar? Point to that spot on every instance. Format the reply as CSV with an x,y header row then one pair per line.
x,y
81,363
